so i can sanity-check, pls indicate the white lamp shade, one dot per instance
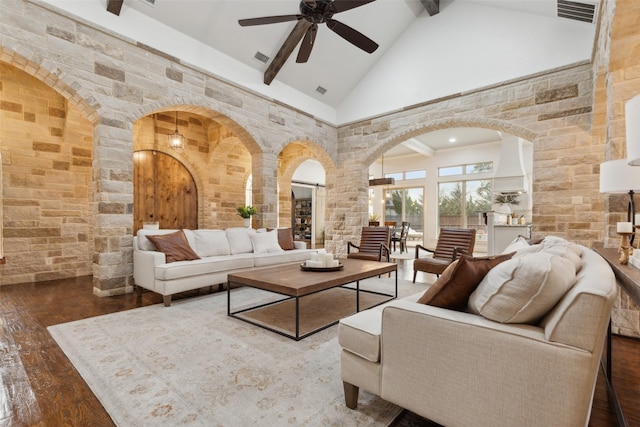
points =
(632, 120)
(616, 176)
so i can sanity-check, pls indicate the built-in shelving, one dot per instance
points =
(303, 212)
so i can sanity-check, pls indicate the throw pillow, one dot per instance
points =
(239, 240)
(174, 245)
(211, 243)
(285, 238)
(523, 289)
(452, 289)
(266, 242)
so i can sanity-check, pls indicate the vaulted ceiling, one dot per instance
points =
(427, 48)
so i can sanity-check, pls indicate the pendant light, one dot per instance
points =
(176, 139)
(383, 180)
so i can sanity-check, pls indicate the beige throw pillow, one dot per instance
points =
(523, 289)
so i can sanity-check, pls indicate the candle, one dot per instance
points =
(313, 264)
(625, 227)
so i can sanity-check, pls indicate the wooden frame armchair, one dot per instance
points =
(374, 244)
(452, 242)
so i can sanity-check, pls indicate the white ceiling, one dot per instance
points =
(206, 33)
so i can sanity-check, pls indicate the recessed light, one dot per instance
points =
(261, 57)
(321, 90)
(452, 140)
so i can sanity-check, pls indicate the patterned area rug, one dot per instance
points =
(190, 364)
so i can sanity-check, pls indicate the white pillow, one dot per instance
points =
(266, 242)
(239, 240)
(211, 243)
(516, 244)
(523, 289)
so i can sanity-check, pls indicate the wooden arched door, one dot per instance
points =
(163, 191)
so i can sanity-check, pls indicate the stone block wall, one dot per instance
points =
(46, 155)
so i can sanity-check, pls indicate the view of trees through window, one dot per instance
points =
(462, 203)
(406, 204)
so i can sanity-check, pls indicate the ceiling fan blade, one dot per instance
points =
(298, 32)
(352, 36)
(307, 44)
(268, 20)
(338, 6)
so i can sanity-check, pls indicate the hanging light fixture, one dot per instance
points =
(176, 139)
(383, 180)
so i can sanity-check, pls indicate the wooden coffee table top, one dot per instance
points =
(291, 280)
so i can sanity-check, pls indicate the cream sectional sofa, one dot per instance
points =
(221, 252)
(461, 368)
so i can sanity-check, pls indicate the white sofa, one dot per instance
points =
(458, 368)
(221, 252)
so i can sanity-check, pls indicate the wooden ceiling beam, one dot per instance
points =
(432, 6)
(285, 50)
(114, 6)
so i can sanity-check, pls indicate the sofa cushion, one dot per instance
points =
(174, 245)
(239, 240)
(179, 270)
(266, 242)
(523, 289)
(211, 243)
(452, 289)
(282, 257)
(360, 333)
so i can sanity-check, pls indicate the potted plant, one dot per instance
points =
(503, 202)
(246, 212)
(374, 220)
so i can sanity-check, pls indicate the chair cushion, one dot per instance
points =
(364, 255)
(360, 333)
(431, 265)
(523, 289)
(174, 245)
(459, 280)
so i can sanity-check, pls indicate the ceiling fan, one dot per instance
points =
(312, 13)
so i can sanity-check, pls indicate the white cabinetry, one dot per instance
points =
(500, 235)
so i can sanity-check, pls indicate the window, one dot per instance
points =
(397, 176)
(473, 197)
(471, 168)
(415, 174)
(406, 204)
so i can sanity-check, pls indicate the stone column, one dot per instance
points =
(113, 208)
(347, 205)
(265, 189)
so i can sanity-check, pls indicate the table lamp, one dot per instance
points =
(617, 177)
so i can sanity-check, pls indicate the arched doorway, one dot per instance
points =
(163, 191)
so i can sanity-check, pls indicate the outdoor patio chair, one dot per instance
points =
(401, 238)
(452, 242)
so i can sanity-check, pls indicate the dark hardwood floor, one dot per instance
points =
(40, 387)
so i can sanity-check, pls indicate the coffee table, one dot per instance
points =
(294, 283)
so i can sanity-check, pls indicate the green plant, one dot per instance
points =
(373, 217)
(507, 199)
(246, 211)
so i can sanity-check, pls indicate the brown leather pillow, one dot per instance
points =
(285, 238)
(174, 245)
(459, 280)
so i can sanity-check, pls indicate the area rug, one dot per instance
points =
(190, 364)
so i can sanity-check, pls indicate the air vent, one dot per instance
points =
(577, 11)
(150, 2)
(261, 57)
(321, 90)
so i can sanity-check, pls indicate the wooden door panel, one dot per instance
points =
(164, 191)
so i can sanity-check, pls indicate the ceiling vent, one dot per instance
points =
(577, 11)
(150, 2)
(261, 57)
(321, 90)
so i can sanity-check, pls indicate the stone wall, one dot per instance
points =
(46, 171)
(622, 83)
